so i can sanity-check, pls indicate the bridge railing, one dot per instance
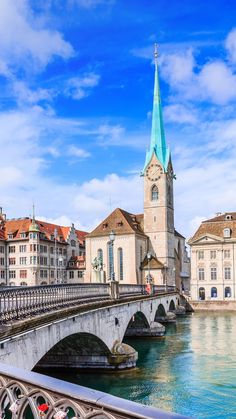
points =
(21, 302)
(26, 394)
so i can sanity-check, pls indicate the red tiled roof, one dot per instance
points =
(215, 226)
(21, 225)
(121, 222)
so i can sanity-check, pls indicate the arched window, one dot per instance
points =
(155, 193)
(110, 260)
(201, 293)
(227, 292)
(141, 254)
(120, 264)
(213, 292)
(169, 195)
(100, 255)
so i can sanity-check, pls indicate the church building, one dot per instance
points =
(140, 248)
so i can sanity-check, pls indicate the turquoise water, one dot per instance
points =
(192, 370)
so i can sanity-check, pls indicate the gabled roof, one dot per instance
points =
(215, 227)
(154, 263)
(121, 222)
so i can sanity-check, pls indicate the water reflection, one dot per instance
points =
(191, 371)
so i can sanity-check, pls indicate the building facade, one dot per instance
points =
(144, 247)
(213, 259)
(33, 252)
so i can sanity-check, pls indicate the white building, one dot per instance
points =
(213, 259)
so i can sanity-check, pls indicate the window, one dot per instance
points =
(141, 254)
(23, 260)
(45, 273)
(120, 264)
(51, 250)
(22, 248)
(213, 274)
(213, 254)
(10, 236)
(2, 274)
(110, 261)
(2, 248)
(52, 274)
(201, 274)
(213, 292)
(2, 261)
(227, 272)
(100, 257)
(23, 235)
(52, 261)
(227, 233)
(201, 293)
(201, 254)
(12, 249)
(169, 195)
(227, 254)
(33, 260)
(12, 261)
(12, 274)
(33, 235)
(154, 193)
(80, 274)
(23, 273)
(71, 275)
(227, 292)
(73, 243)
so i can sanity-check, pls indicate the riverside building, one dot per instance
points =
(34, 252)
(213, 259)
(136, 248)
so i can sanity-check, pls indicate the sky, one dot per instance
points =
(76, 92)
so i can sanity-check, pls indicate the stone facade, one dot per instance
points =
(34, 252)
(213, 259)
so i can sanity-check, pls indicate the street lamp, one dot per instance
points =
(60, 271)
(111, 256)
(149, 257)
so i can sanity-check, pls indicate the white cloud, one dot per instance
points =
(77, 152)
(80, 87)
(217, 82)
(26, 41)
(178, 68)
(230, 44)
(180, 114)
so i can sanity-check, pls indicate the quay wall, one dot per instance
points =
(213, 305)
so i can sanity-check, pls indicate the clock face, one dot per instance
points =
(154, 172)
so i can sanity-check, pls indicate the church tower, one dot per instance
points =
(158, 193)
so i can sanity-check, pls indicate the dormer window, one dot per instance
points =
(227, 233)
(104, 226)
(52, 237)
(228, 217)
(120, 224)
(23, 235)
(10, 235)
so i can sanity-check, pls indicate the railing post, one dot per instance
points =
(114, 290)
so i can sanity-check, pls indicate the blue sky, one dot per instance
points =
(76, 86)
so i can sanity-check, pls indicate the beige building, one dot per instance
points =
(213, 259)
(33, 252)
(135, 248)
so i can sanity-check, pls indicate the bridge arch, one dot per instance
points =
(172, 306)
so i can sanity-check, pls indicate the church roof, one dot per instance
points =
(121, 222)
(153, 264)
(215, 226)
(158, 143)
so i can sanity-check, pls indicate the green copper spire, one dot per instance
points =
(158, 142)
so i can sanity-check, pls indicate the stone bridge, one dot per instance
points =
(92, 338)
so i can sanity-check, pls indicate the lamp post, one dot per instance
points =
(55, 253)
(60, 270)
(111, 256)
(149, 257)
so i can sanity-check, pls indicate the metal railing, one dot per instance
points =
(25, 394)
(22, 302)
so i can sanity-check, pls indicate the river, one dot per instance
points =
(192, 370)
